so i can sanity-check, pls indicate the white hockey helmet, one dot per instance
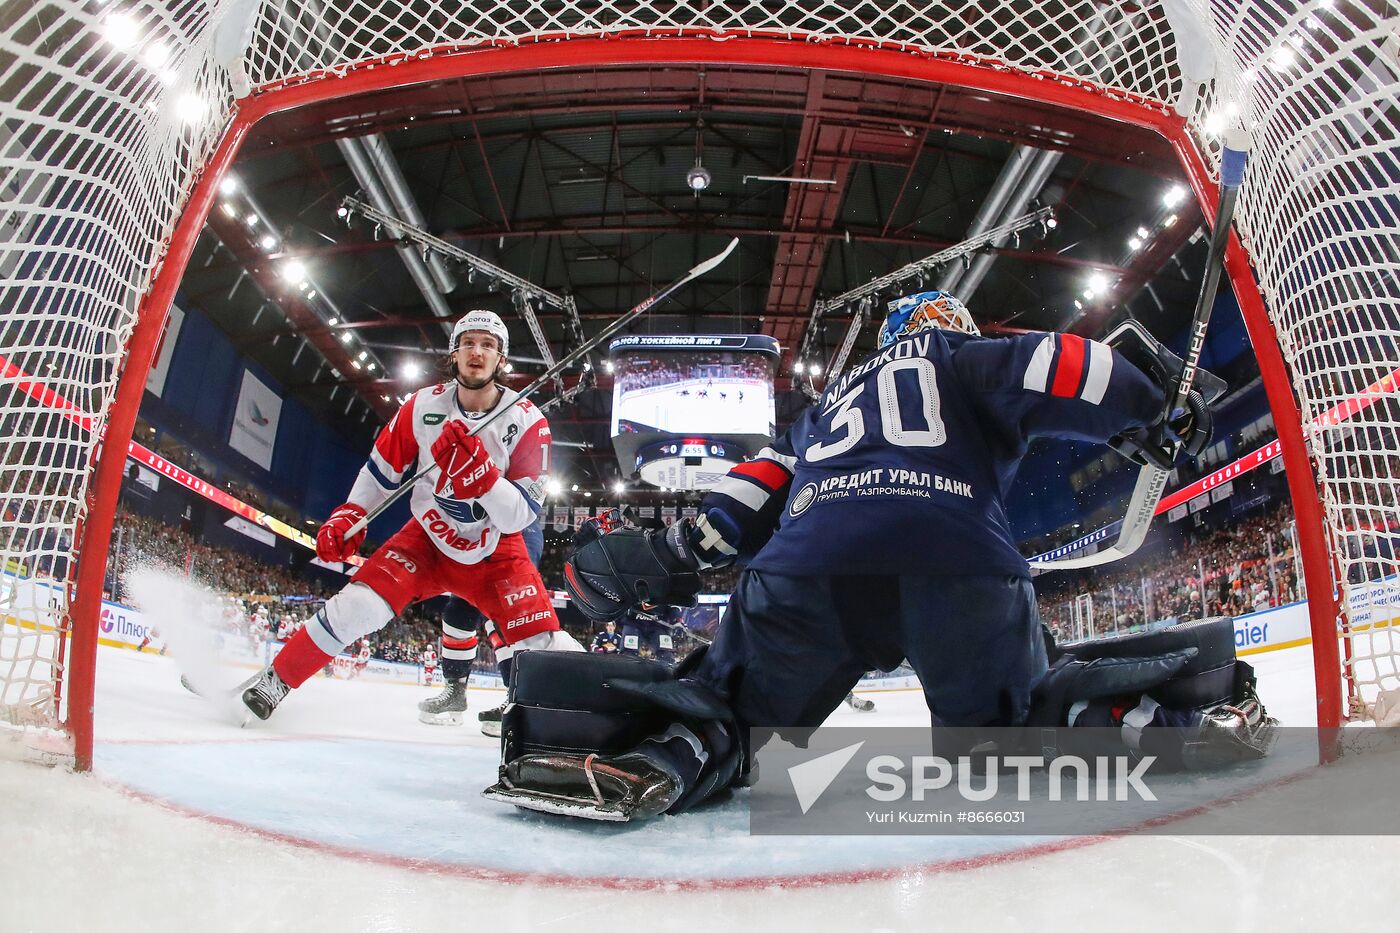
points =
(480, 319)
(925, 311)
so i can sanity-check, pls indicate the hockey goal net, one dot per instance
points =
(117, 118)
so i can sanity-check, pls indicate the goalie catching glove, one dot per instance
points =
(612, 568)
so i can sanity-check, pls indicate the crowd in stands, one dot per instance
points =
(1248, 566)
(1245, 567)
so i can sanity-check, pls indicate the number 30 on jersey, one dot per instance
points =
(848, 421)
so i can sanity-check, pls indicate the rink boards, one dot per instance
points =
(33, 603)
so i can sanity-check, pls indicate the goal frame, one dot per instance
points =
(649, 48)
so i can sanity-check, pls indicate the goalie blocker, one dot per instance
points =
(617, 739)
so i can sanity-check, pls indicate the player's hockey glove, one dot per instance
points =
(607, 573)
(1158, 444)
(331, 543)
(467, 470)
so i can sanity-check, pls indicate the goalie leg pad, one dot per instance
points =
(1178, 694)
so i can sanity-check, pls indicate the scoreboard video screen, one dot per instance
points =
(693, 384)
(686, 407)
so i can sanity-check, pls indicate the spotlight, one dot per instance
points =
(1173, 196)
(228, 185)
(190, 107)
(619, 487)
(156, 55)
(293, 271)
(410, 371)
(698, 178)
(121, 30)
(268, 241)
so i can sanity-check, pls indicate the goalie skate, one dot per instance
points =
(447, 708)
(615, 790)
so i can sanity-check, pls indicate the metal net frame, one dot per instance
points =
(118, 118)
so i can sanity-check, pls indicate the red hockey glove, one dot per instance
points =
(467, 468)
(331, 543)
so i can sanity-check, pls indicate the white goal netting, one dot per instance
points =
(109, 112)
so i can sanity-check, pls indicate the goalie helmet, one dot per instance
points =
(925, 311)
(480, 319)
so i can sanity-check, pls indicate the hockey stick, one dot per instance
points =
(552, 372)
(1151, 481)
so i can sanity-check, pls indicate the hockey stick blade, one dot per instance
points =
(1147, 492)
(698, 270)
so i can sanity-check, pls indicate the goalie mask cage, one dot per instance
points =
(118, 118)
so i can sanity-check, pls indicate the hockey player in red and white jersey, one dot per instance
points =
(464, 536)
(362, 657)
(430, 664)
(284, 627)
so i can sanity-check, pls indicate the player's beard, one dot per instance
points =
(474, 384)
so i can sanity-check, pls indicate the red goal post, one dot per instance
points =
(118, 120)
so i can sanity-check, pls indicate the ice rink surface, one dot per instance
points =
(344, 812)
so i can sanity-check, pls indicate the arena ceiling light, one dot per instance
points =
(619, 487)
(410, 371)
(698, 178)
(293, 271)
(121, 30)
(228, 185)
(190, 107)
(156, 55)
(1174, 195)
(268, 241)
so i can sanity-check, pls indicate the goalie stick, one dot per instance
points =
(549, 374)
(1151, 481)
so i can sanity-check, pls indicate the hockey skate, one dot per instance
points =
(1230, 733)
(618, 789)
(447, 707)
(860, 703)
(261, 694)
(490, 720)
(258, 696)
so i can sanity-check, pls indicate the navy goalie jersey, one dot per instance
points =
(903, 465)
